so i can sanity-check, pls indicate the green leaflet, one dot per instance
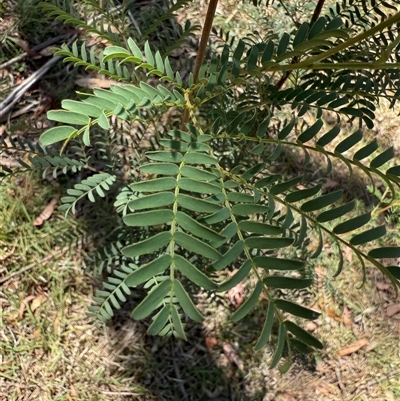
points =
(173, 144)
(82, 108)
(197, 204)
(268, 243)
(193, 244)
(217, 217)
(349, 142)
(296, 309)
(329, 136)
(269, 262)
(199, 158)
(303, 335)
(158, 184)
(297, 196)
(240, 197)
(193, 273)
(151, 201)
(197, 186)
(387, 252)
(249, 304)
(68, 117)
(152, 300)
(287, 282)
(249, 208)
(322, 201)
(284, 186)
(267, 328)
(279, 347)
(160, 168)
(366, 151)
(383, 158)
(148, 270)
(186, 302)
(352, 224)
(148, 245)
(196, 174)
(159, 321)
(197, 229)
(231, 255)
(256, 227)
(165, 156)
(184, 136)
(310, 133)
(336, 212)
(369, 235)
(56, 134)
(237, 278)
(150, 218)
(177, 323)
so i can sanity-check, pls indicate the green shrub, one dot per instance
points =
(209, 202)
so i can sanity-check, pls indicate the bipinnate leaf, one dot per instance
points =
(303, 335)
(296, 309)
(152, 300)
(249, 304)
(56, 134)
(186, 303)
(267, 328)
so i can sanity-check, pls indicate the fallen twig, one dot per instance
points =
(32, 265)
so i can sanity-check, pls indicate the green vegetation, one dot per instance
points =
(190, 184)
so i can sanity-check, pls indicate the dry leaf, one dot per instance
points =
(35, 335)
(211, 342)
(236, 295)
(383, 286)
(347, 318)
(47, 212)
(90, 83)
(392, 309)
(232, 355)
(74, 393)
(23, 305)
(37, 302)
(331, 313)
(352, 348)
(311, 326)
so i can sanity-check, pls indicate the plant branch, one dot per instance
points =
(205, 35)
(295, 60)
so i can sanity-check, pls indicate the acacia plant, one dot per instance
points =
(207, 202)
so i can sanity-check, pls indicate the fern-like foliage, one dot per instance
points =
(212, 222)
